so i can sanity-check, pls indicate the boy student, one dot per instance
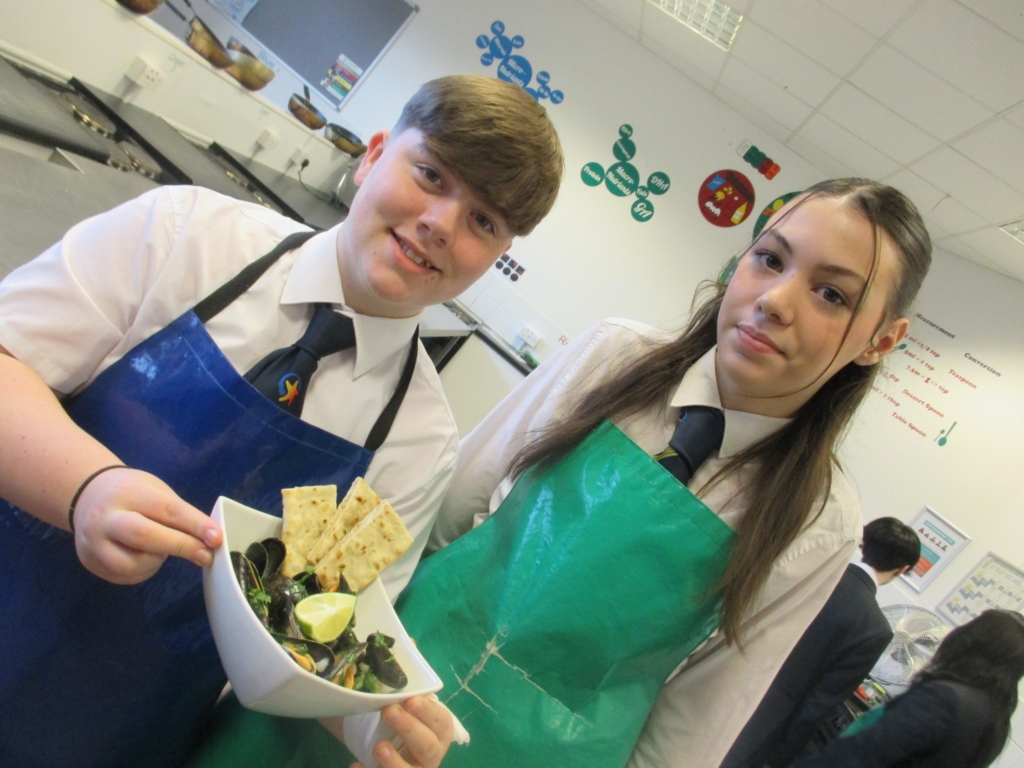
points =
(149, 363)
(834, 655)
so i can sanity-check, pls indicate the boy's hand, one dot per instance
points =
(127, 522)
(425, 727)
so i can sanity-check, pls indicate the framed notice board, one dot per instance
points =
(328, 43)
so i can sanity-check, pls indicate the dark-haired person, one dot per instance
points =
(598, 572)
(161, 354)
(833, 657)
(956, 713)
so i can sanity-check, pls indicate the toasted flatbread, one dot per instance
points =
(378, 540)
(360, 501)
(307, 511)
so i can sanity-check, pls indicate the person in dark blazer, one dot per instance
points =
(956, 714)
(834, 655)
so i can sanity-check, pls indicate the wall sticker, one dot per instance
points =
(622, 179)
(764, 164)
(514, 68)
(726, 198)
(771, 209)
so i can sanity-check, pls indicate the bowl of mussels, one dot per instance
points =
(264, 624)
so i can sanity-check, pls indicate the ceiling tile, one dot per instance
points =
(1008, 15)
(1016, 116)
(969, 184)
(752, 86)
(816, 30)
(965, 50)
(766, 123)
(999, 149)
(702, 79)
(935, 206)
(959, 248)
(625, 14)
(879, 126)
(918, 94)
(821, 160)
(876, 16)
(935, 231)
(782, 64)
(1000, 248)
(865, 160)
(681, 41)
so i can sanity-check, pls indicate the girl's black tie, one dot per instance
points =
(284, 374)
(698, 434)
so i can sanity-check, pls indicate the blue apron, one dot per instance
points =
(98, 674)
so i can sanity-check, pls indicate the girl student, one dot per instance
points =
(956, 713)
(608, 612)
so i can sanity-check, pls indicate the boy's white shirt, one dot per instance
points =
(119, 277)
(705, 704)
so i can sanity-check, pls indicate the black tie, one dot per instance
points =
(698, 434)
(283, 375)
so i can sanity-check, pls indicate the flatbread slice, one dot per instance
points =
(378, 540)
(307, 511)
(360, 501)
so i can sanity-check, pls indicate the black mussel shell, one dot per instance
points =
(346, 639)
(342, 661)
(275, 554)
(382, 661)
(343, 586)
(257, 555)
(318, 654)
(252, 587)
(282, 615)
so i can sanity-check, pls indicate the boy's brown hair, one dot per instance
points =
(496, 138)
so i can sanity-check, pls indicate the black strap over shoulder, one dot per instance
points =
(217, 301)
(380, 430)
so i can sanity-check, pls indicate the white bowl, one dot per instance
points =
(263, 676)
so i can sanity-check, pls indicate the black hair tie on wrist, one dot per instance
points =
(82, 487)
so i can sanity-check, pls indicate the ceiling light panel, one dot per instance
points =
(1015, 230)
(713, 21)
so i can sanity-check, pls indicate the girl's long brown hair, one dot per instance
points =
(787, 472)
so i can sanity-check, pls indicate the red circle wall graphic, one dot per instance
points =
(726, 198)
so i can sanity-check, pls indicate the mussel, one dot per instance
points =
(382, 662)
(272, 595)
(252, 586)
(313, 657)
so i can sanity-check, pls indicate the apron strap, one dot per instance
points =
(380, 430)
(217, 301)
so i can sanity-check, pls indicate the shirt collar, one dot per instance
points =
(315, 278)
(700, 387)
(869, 571)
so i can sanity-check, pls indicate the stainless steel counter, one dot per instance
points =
(41, 200)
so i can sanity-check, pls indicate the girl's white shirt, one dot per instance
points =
(707, 701)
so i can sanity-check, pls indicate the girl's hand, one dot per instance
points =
(425, 727)
(127, 522)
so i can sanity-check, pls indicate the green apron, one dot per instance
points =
(555, 623)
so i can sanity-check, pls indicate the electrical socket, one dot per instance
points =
(530, 336)
(141, 72)
(297, 157)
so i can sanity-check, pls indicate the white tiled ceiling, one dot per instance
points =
(927, 95)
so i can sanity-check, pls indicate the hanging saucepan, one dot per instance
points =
(344, 140)
(140, 6)
(202, 40)
(252, 73)
(304, 110)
